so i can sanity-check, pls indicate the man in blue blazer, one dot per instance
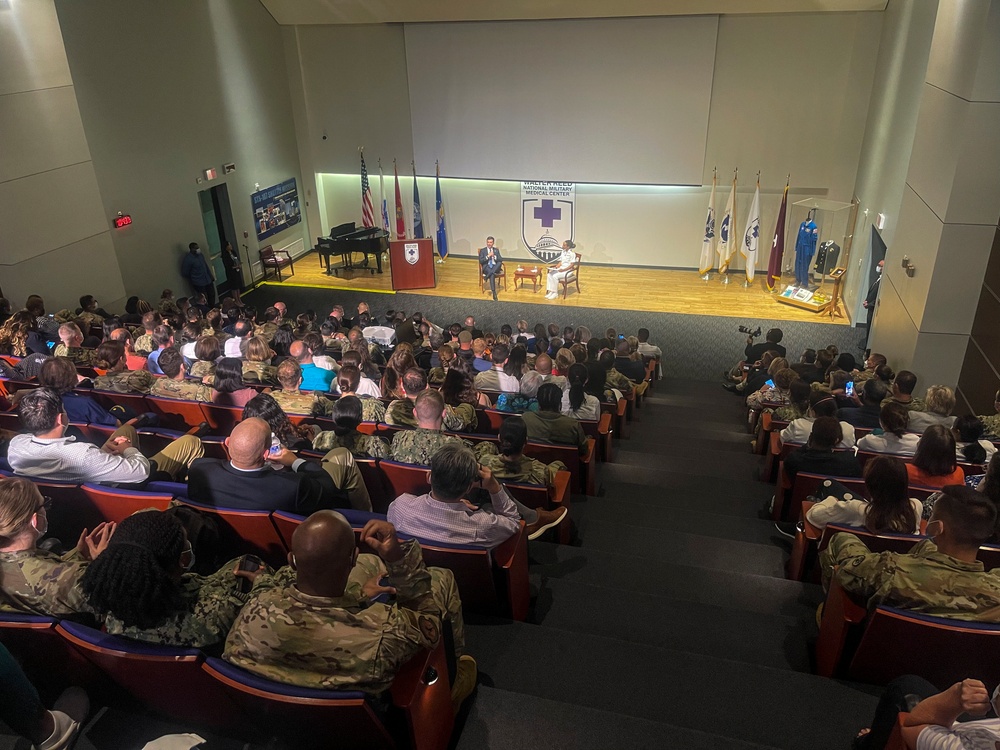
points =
(489, 264)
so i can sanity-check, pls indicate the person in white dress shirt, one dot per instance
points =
(561, 270)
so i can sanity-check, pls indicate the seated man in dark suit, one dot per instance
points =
(490, 263)
(247, 482)
(866, 415)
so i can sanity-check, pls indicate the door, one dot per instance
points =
(217, 216)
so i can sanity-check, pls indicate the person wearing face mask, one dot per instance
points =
(939, 576)
(870, 299)
(141, 586)
(32, 580)
(195, 269)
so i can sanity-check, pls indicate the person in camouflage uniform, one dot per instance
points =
(902, 390)
(348, 379)
(35, 581)
(139, 585)
(991, 422)
(940, 576)
(315, 624)
(613, 378)
(256, 367)
(72, 346)
(510, 464)
(166, 306)
(401, 411)
(111, 358)
(290, 398)
(174, 385)
(416, 446)
(346, 413)
(144, 342)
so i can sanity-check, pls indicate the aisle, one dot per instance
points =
(670, 624)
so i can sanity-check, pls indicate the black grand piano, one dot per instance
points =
(345, 241)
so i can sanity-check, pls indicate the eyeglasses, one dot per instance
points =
(46, 504)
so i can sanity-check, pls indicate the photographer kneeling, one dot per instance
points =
(752, 355)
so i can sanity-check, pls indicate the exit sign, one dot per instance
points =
(122, 220)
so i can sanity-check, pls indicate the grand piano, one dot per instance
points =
(345, 241)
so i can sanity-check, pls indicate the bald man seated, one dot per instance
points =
(314, 624)
(314, 377)
(254, 478)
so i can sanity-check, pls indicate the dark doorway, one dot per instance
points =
(878, 255)
(217, 216)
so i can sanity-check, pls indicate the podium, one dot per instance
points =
(412, 264)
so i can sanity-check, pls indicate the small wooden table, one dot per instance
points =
(535, 274)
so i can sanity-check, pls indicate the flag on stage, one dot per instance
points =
(367, 209)
(418, 224)
(727, 244)
(751, 235)
(381, 192)
(442, 236)
(400, 221)
(707, 261)
(777, 244)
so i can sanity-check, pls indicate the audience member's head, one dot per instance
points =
(808, 357)
(289, 375)
(173, 366)
(249, 443)
(110, 355)
(783, 378)
(969, 429)
(59, 374)
(499, 355)
(826, 434)
(822, 404)
(530, 383)
(150, 320)
(889, 509)
(846, 362)
(875, 360)
(940, 400)
(228, 375)
(414, 381)
(643, 335)
(428, 407)
(163, 336)
(904, 383)
(543, 364)
(323, 554)
(549, 397)
(962, 519)
(242, 329)
(936, 453)
(894, 419)
(798, 394)
(207, 348)
(513, 436)
(23, 515)
(70, 335)
(874, 391)
(774, 335)
(258, 350)
(346, 414)
(348, 379)
(265, 407)
(454, 469)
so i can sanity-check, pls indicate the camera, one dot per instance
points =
(750, 332)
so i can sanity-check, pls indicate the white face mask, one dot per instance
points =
(41, 527)
(878, 269)
(197, 251)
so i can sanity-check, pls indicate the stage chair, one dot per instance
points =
(166, 679)
(573, 277)
(893, 642)
(116, 504)
(420, 717)
(275, 260)
(244, 531)
(501, 277)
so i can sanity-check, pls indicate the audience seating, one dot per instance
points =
(244, 532)
(115, 504)
(892, 642)
(52, 663)
(176, 413)
(420, 716)
(166, 679)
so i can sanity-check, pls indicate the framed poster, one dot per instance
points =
(275, 209)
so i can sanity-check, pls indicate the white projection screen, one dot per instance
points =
(609, 100)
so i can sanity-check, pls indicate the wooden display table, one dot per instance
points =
(521, 274)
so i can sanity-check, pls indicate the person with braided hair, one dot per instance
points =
(141, 587)
(32, 580)
(511, 464)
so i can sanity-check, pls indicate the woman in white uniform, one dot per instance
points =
(560, 271)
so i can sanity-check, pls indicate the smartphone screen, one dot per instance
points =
(769, 383)
(850, 388)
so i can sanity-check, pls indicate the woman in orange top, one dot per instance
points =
(935, 464)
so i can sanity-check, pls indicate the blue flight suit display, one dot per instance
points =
(805, 248)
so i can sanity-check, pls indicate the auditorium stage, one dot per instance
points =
(602, 287)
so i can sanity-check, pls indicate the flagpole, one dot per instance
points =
(732, 223)
(715, 172)
(746, 282)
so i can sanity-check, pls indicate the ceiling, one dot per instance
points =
(296, 12)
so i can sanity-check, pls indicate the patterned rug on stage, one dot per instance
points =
(694, 346)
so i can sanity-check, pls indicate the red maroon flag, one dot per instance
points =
(777, 245)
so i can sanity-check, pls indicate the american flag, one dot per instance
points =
(367, 207)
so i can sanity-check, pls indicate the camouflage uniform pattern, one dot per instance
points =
(789, 413)
(189, 390)
(211, 604)
(266, 331)
(360, 445)
(400, 412)
(258, 372)
(418, 445)
(130, 381)
(41, 583)
(345, 642)
(144, 344)
(168, 307)
(925, 580)
(296, 402)
(525, 469)
(464, 415)
(202, 368)
(79, 355)
(372, 410)
(992, 424)
(436, 376)
(616, 380)
(915, 404)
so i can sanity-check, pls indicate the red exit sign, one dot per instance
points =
(122, 220)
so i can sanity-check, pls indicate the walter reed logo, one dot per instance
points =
(547, 217)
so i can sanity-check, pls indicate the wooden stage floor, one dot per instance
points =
(602, 287)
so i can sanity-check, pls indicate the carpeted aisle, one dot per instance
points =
(670, 623)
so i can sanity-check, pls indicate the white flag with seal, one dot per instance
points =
(751, 234)
(727, 245)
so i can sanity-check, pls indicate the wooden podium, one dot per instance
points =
(412, 264)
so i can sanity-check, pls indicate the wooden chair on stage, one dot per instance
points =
(573, 277)
(275, 260)
(501, 277)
